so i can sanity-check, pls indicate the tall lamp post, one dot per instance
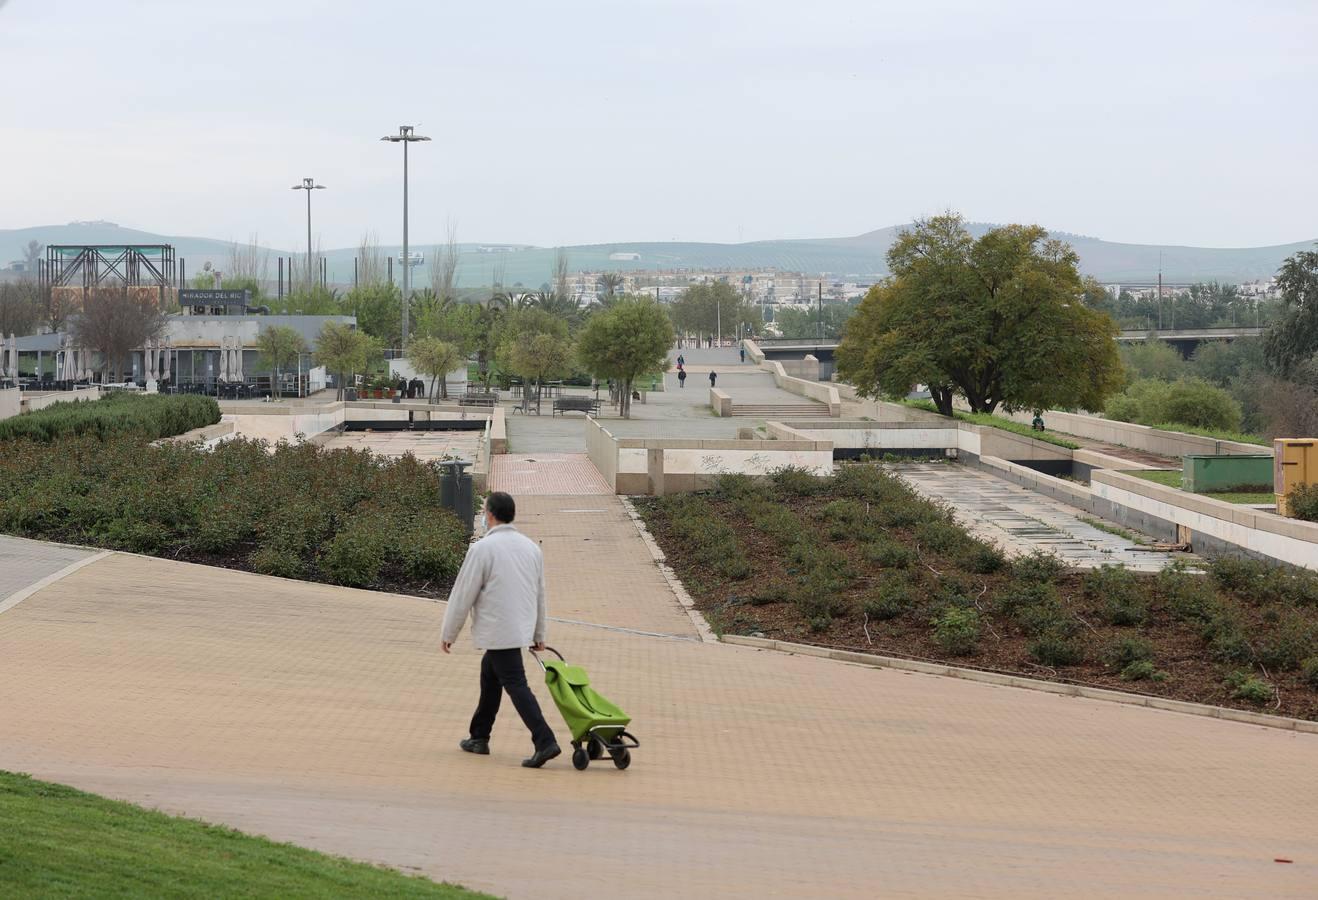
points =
(308, 185)
(405, 136)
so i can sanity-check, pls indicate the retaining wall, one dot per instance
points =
(1137, 437)
(34, 402)
(720, 402)
(11, 402)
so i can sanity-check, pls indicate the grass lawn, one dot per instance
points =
(1172, 479)
(60, 842)
(998, 422)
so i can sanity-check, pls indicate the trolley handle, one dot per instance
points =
(551, 650)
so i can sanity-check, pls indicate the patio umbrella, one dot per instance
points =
(4, 356)
(238, 358)
(224, 360)
(13, 356)
(149, 361)
(164, 368)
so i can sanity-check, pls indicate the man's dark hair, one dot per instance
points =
(501, 506)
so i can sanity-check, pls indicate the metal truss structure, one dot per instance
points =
(95, 265)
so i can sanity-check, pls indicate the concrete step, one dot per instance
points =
(781, 410)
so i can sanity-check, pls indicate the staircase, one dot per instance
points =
(807, 410)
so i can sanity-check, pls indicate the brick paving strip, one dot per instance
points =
(327, 717)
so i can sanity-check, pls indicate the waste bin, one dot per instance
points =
(455, 491)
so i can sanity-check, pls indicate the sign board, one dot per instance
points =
(192, 297)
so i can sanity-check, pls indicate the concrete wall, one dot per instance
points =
(11, 402)
(602, 449)
(273, 423)
(208, 436)
(720, 402)
(34, 402)
(1137, 437)
(824, 393)
(498, 431)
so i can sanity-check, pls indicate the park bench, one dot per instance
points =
(587, 405)
(476, 398)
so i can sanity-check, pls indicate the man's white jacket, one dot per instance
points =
(502, 585)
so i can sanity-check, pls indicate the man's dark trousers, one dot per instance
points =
(502, 670)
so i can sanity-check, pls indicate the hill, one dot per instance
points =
(861, 255)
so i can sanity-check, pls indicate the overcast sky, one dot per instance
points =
(720, 120)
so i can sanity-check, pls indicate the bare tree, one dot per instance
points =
(116, 321)
(371, 268)
(444, 265)
(21, 309)
(560, 272)
(498, 272)
(32, 256)
(248, 262)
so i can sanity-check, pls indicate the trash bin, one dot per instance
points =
(455, 491)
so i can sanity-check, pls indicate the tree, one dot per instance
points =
(21, 309)
(312, 301)
(1187, 401)
(1153, 358)
(1293, 338)
(444, 270)
(713, 307)
(379, 311)
(115, 321)
(250, 264)
(997, 320)
(32, 256)
(435, 358)
(344, 351)
(562, 305)
(371, 267)
(536, 357)
(629, 340)
(608, 284)
(560, 273)
(804, 323)
(279, 346)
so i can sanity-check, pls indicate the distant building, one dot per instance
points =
(624, 256)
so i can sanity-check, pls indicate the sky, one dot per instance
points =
(1157, 121)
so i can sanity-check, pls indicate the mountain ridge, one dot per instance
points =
(858, 256)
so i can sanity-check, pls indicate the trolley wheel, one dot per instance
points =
(622, 758)
(595, 748)
(580, 759)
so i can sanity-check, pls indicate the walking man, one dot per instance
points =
(681, 377)
(502, 585)
(713, 377)
(743, 354)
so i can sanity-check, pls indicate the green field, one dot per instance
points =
(60, 842)
(998, 422)
(1172, 478)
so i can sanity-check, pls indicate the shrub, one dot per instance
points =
(894, 596)
(769, 592)
(956, 630)
(1288, 644)
(819, 606)
(1302, 502)
(276, 559)
(888, 554)
(1248, 687)
(1309, 671)
(1141, 670)
(981, 558)
(1054, 648)
(1189, 597)
(1127, 650)
(356, 555)
(945, 538)
(1118, 594)
(1186, 401)
(1017, 596)
(149, 417)
(1038, 566)
(796, 481)
(1233, 573)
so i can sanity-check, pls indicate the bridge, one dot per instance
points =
(1182, 338)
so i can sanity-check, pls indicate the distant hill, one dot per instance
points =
(862, 255)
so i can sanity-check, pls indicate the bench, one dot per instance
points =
(587, 405)
(478, 399)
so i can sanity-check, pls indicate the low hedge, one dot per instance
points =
(147, 417)
(297, 510)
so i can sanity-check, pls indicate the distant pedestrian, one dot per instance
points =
(743, 354)
(681, 378)
(713, 377)
(681, 360)
(502, 587)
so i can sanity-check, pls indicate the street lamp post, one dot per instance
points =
(405, 136)
(308, 185)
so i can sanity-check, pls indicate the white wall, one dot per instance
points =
(10, 402)
(715, 462)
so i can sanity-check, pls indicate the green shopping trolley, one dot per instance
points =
(597, 726)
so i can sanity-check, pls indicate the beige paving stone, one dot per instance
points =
(327, 717)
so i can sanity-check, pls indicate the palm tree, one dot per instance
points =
(608, 284)
(564, 307)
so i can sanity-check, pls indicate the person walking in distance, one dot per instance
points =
(502, 586)
(743, 354)
(681, 377)
(713, 377)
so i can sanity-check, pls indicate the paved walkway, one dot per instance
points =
(24, 563)
(524, 474)
(1021, 520)
(327, 717)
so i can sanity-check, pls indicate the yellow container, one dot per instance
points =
(1295, 462)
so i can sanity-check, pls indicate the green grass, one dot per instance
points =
(997, 422)
(1238, 436)
(1172, 478)
(1113, 529)
(60, 842)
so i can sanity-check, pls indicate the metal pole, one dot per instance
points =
(820, 307)
(308, 237)
(407, 261)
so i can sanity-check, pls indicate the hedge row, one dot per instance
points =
(147, 417)
(299, 511)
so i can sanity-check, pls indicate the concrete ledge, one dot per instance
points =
(1000, 679)
(720, 402)
(205, 434)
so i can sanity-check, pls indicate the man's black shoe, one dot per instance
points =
(540, 757)
(475, 745)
